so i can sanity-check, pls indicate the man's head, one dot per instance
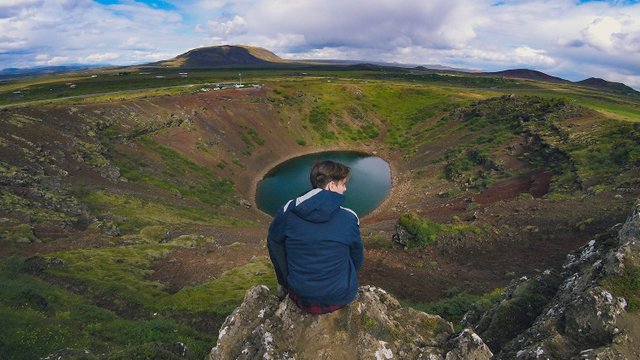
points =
(330, 175)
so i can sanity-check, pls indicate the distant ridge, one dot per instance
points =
(525, 74)
(219, 56)
(616, 87)
(41, 70)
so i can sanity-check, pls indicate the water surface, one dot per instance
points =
(368, 186)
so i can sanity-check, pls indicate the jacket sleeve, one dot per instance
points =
(275, 244)
(356, 248)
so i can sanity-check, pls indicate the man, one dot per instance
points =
(314, 243)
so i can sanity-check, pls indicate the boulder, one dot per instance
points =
(401, 237)
(587, 314)
(374, 326)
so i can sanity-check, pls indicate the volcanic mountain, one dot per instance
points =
(220, 56)
(616, 87)
(525, 74)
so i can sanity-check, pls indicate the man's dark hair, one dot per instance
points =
(326, 171)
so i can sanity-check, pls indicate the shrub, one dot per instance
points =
(423, 232)
(458, 302)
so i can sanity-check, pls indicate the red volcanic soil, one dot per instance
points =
(520, 235)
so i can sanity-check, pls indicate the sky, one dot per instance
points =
(570, 39)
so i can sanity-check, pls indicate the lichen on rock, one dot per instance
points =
(374, 326)
(588, 317)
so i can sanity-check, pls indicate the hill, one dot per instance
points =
(616, 87)
(9, 73)
(220, 56)
(524, 74)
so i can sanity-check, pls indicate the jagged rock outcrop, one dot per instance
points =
(375, 326)
(588, 311)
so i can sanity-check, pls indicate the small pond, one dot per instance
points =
(368, 186)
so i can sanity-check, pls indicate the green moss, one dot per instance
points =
(38, 318)
(626, 285)
(37, 212)
(114, 274)
(22, 233)
(471, 166)
(424, 232)
(90, 153)
(320, 120)
(457, 303)
(154, 234)
(225, 293)
(582, 225)
(255, 136)
(176, 173)
(116, 278)
(133, 214)
(517, 313)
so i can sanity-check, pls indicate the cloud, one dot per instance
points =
(360, 24)
(82, 31)
(601, 33)
(569, 38)
(527, 55)
(223, 28)
(102, 58)
(46, 60)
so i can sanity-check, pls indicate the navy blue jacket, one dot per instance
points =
(315, 247)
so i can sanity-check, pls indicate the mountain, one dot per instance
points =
(37, 71)
(616, 87)
(219, 56)
(525, 74)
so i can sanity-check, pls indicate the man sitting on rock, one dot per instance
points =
(314, 243)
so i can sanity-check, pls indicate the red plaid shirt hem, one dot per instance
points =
(310, 308)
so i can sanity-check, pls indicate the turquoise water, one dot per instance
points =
(368, 186)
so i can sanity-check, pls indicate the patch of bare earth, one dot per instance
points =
(186, 266)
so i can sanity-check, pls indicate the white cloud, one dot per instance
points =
(46, 60)
(527, 55)
(359, 24)
(222, 29)
(561, 37)
(601, 33)
(82, 31)
(100, 58)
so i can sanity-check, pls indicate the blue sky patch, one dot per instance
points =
(156, 4)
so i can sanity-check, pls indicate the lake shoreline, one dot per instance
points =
(364, 150)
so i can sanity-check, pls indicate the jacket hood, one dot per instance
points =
(317, 205)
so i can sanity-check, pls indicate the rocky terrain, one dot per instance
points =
(374, 326)
(586, 310)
